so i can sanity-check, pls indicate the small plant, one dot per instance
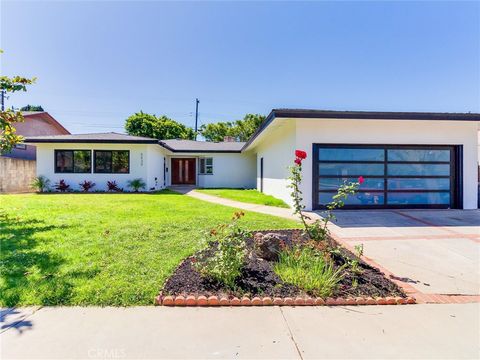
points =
(112, 186)
(41, 183)
(355, 263)
(352, 262)
(62, 186)
(87, 185)
(317, 230)
(307, 268)
(136, 184)
(226, 264)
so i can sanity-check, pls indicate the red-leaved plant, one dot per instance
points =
(62, 186)
(86, 185)
(317, 230)
(112, 186)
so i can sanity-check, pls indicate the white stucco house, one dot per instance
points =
(408, 160)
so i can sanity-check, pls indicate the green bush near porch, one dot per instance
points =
(247, 196)
(102, 249)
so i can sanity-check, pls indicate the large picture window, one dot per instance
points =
(112, 161)
(206, 166)
(73, 161)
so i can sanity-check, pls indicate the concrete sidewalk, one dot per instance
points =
(386, 332)
(263, 209)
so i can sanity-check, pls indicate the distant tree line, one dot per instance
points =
(32, 108)
(164, 128)
(240, 130)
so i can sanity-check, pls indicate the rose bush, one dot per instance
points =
(317, 230)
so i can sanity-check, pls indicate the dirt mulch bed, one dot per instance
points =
(259, 279)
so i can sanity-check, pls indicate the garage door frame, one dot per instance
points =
(456, 170)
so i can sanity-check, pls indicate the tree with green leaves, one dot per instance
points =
(32, 108)
(240, 130)
(217, 131)
(8, 135)
(157, 127)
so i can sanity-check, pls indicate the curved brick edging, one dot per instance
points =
(278, 301)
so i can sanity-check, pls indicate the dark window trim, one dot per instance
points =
(456, 174)
(200, 165)
(108, 172)
(261, 174)
(73, 159)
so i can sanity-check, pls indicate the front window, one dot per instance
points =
(73, 161)
(112, 161)
(206, 166)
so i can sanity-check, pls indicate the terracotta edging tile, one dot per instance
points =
(213, 300)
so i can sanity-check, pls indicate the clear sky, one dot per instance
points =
(98, 62)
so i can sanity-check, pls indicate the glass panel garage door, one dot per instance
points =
(395, 176)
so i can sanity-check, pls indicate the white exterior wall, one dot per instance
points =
(277, 149)
(155, 160)
(146, 162)
(230, 170)
(311, 131)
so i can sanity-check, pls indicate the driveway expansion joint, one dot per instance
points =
(291, 334)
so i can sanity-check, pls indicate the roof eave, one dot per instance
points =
(89, 141)
(207, 151)
(360, 115)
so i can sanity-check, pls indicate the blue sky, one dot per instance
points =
(98, 62)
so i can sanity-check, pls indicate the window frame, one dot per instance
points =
(204, 171)
(94, 168)
(56, 151)
(455, 175)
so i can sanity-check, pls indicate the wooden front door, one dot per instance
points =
(184, 171)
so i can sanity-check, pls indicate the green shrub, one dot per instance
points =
(225, 265)
(136, 184)
(308, 269)
(41, 183)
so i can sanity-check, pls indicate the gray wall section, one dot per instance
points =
(16, 175)
(29, 153)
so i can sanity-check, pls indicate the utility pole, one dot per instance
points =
(196, 117)
(3, 100)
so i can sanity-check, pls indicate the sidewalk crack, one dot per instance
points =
(291, 334)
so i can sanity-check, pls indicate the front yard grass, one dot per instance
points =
(102, 249)
(247, 196)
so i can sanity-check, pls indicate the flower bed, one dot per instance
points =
(289, 267)
(260, 284)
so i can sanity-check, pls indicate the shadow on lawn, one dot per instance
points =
(28, 270)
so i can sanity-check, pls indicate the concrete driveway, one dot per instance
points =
(435, 251)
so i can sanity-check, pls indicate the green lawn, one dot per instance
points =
(101, 249)
(247, 196)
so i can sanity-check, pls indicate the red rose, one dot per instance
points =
(298, 161)
(300, 154)
(361, 180)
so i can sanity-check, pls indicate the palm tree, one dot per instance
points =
(41, 183)
(136, 184)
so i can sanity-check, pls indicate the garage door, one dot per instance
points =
(396, 176)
